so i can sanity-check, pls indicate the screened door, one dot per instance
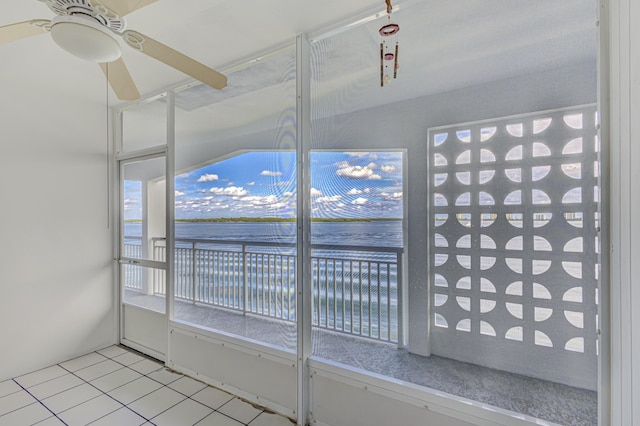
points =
(143, 260)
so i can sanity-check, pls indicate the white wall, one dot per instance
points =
(56, 297)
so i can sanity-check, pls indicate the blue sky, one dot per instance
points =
(260, 184)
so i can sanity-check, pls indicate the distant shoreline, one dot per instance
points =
(272, 219)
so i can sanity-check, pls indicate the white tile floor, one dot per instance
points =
(118, 387)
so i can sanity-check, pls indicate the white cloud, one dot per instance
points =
(358, 154)
(391, 197)
(233, 191)
(372, 166)
(354, 191)
(180, 194)
(360, 201)
(367, 190)
(357, 172)
(251, 183)
(207, 178)
(361, 154)
(270, 173)
(260, 200)
(388, 168)
(315, 192)
(331, 199)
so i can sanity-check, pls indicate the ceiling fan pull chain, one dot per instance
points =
(389, 7)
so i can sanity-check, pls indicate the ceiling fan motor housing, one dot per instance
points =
(93, 8)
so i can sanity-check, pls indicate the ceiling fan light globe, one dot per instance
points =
(85, 38)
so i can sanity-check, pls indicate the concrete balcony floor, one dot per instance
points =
(542, 399)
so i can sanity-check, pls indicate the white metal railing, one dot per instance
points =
(132, 273)
(356, 289)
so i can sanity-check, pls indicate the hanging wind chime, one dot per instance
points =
(389, 49)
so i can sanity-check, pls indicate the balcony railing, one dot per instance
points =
(356, 290)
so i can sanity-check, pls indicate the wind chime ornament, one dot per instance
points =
(389, 49)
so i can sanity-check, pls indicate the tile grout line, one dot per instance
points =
(39, 402)
(104, 393)
(187, 397)
(142, 375)
(86, 366)
(56, 378)
(226, 415)
(163, 411)
(10, 393)
(217, 410)
(118, 409)
(258, 415)
(15, 379)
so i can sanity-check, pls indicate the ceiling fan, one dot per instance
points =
(92, 30)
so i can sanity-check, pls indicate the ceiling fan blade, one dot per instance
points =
(120, 80)
(124, 7)
(175, 59)
(23, 30)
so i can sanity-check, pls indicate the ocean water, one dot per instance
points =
(374, 234)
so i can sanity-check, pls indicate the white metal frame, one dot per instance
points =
(170, 215)
(121, 158)
(304, 268)
(620, 93)
(606, 283)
